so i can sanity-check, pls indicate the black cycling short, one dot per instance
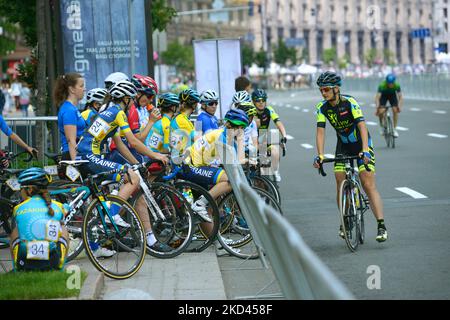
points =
(392, 98)
(56, 260)
(353, 149)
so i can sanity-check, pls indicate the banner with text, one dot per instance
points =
(97, 37)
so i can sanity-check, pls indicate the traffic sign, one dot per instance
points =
(421, 33)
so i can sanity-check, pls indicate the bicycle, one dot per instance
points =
(388, 129)
(129, 243)
(353, 202)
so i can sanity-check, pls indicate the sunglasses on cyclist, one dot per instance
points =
(212, 103)
(260, 100)
(325, 89)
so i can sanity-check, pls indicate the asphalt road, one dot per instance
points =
(415, 261)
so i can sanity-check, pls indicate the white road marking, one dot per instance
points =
(297, 108)
(415, 109)
(371, 123)
(305, 110)
(289, 137)
(329, 156)
(292, 95)
(373, 105)
(307, 146)
(402, 128)
(288, 106)
(412, 193)
(437, 135)
(439, 111)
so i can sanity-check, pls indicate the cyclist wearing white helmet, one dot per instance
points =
(108, 124)
(114, 78)
(240, 97)
(94, 100)
(209, 101)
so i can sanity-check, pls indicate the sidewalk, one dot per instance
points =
(190, 276)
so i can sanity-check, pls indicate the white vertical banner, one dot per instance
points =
(217, 64)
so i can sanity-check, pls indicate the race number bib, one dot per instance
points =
(51, 170)
(155, 141)
(52, 230)
(99, 128)
(72, 173)
(38, 250)
(13, 184)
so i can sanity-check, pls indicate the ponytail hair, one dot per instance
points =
(63, 82)
(35, 190)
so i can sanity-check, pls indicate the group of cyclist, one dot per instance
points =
(120, 126)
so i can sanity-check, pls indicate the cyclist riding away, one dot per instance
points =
(353, 138)
(389, 90)
(264, 114)
(39, 239)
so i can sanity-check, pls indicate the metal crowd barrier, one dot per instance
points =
(27, 129)
(298, 270)
(433, 87)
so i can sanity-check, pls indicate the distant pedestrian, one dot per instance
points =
(24, 99)
(15, 93)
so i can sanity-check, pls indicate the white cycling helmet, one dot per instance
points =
(242, 96)
(123, 89)
(115, 77)
(208, 96)
(96, 95)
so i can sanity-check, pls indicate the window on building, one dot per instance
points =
(446, 27)
(280, 32)
(445, 12)
(293, 33)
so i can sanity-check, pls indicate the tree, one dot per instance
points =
(261, 58)
(162, 15)
(22, 12)
(389, 57)
(370, 57)
(248, 55)
(282, 53)
(329, 55)
(180, 56)
(7, 42)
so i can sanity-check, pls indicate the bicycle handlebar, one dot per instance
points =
(10, 156)
(340, 159)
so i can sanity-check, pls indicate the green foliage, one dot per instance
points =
(329, 55)
(180, 56)
(22, 12)
(370, 57)
(389, 57)
(343, 62)
(7, 42)
(162, 15)
(248, 55)
(282, 53)
(261, 58)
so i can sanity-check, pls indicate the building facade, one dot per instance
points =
(352, 27)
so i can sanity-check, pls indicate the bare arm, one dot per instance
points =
(281, 127)
(70, 132)
(320, 140)
(377, 99)
(14, 137)
(364, 135)
(154, 116)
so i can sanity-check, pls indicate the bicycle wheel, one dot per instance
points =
(266, 184)
(234, 235)
(349, 221)
(74, 221)
(204, 232)
(129, 243)
(177, 228)
(391, 132)
(6, 208)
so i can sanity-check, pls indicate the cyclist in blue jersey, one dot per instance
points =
(39, 241)
(69, 91)
(94, 100)
(209, 101)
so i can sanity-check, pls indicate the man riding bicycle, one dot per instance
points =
(388, 90)
(353, 138)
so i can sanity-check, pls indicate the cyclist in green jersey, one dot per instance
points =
(389, 90)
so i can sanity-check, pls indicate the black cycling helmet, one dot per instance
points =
(329, 79)
(259, 94)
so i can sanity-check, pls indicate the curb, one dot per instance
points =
(93, 286)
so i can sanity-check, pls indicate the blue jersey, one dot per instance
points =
(4, 127)
(34, 222)
(69, 115)
(209, 122)
(158, 139)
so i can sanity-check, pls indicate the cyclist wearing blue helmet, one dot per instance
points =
(389, 90)
(345, 115)
(203, 161)
(39, 241)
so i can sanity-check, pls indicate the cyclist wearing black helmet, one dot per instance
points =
(353, 138)
(389, 90)
(264, 114)
(39, 239)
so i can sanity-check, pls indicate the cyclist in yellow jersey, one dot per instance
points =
(345, 115)
(183, 133)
